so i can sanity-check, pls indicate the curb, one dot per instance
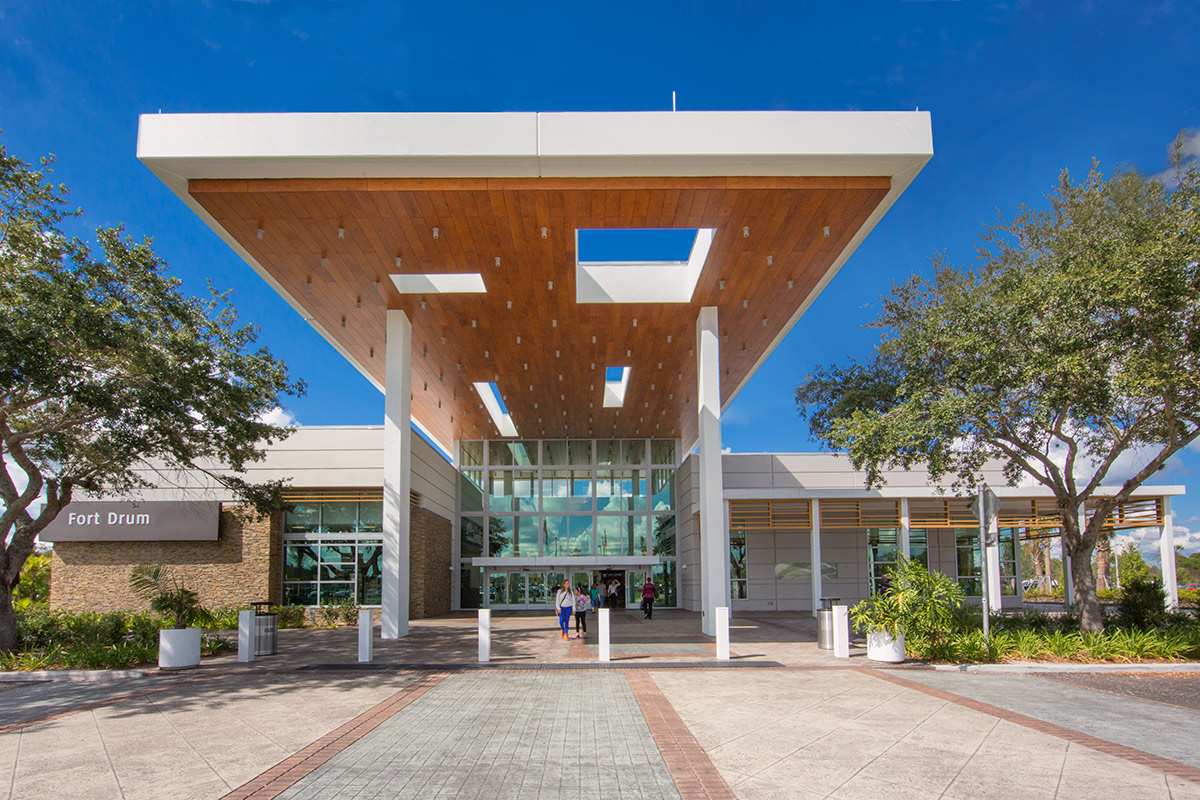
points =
(1030, 668)
(71, 675)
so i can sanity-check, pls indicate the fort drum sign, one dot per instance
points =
(159, 521)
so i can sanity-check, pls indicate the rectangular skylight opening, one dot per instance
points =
(639, 265)
(635, 245)
(440, 283)
(616, 381)
(490, 394)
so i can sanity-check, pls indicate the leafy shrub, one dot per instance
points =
(1142, 605)
(917, 603)
(90, 640)
(1119, 645)
(33, 587)
(349, 612)
(211, 644)
(224, 619)
(290, 616)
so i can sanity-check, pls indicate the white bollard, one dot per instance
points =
(841, 632)
(485, 635)
(722, 633)
(366, 635)
(245, 636)
(605, 650)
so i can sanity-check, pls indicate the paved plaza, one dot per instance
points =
(782, 719)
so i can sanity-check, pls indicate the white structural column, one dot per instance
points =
(814, 551)
(714, 527)
(1166, 551)
(397, 448)
(1068, 575)
(992, 565)
(905, 542)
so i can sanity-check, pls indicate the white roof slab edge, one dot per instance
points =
(182, 147)
(932, 492)
(514, 145)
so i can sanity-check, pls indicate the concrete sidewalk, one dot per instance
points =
(799, 725)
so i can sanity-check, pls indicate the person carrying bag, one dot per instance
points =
(583, 603)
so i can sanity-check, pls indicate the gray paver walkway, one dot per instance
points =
(528, 736)
(1151, 727)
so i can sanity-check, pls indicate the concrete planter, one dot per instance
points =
(179, 648)
(882, 646)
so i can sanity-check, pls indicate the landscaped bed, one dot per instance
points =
(921, 615)
(1034, 636)
(113, 640)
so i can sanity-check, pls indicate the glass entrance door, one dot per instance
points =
(519, 591)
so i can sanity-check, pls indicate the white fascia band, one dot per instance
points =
(642, 281)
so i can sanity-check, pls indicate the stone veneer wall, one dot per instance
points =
(430, 579)
(242, 566)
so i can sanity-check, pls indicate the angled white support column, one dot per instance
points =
(397, 446)
(905, 530)
(814, 550)
(1166, 551)
(714, 528)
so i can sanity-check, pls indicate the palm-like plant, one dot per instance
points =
(168, 596)
(917, 602)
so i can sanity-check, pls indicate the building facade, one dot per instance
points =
(515, 518)
(563, 304)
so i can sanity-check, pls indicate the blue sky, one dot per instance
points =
(1017, 92)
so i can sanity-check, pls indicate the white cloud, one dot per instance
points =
(20, 480)
(279, 416)
(1146, 540)
(1191, 152)
(1126, 465)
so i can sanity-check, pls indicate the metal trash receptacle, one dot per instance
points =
(266, 630)
(825, 623)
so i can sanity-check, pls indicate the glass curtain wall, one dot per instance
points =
(565, 498)
(332, 553)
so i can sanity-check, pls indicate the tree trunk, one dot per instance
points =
(8, 620)
(1090, 617)
(1103, 563)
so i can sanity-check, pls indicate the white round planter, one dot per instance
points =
(882, 646)
(179, 648)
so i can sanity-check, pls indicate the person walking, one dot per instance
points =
(583, 602)
(612, 594)
(594, 592)
(649, 595)
(564, 606)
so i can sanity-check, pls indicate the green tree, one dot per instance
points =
(1131, 564)
(107, 371)
(34, 586)
(1075, 341)
(1187, 568)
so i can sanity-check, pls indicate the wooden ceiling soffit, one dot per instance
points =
(333, 244)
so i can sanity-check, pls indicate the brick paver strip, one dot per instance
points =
(1185, 771)
(694, 774)
(283, 775)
